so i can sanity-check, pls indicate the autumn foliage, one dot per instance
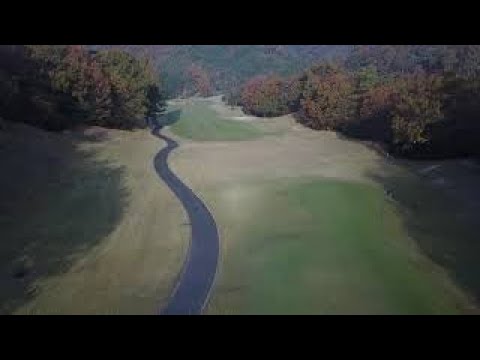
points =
(417, 106)
(57, 87)
(199, 81)
(327, 98)
(265, 96)
(417, 100)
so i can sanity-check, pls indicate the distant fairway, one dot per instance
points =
(198, 122)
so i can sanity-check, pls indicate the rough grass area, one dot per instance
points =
(86, 226)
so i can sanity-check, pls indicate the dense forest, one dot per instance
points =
(418, 100)
(57, 87)
(217, 68)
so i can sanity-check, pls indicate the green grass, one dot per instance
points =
(198, 122)
(320, 247)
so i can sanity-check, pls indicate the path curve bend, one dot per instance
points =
(191, 292)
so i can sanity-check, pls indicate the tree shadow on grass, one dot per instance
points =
(440, 216)
(57, 203)
(169, 118)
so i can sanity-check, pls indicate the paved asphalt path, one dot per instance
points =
(196, 279)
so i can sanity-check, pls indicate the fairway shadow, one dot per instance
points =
(169, 118)
(443, 226)
(57, 203)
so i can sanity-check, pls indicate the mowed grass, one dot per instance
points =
(320, 247)
(306, 228)
(86, 227)
(197, 121)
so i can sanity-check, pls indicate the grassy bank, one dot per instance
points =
(87, 227)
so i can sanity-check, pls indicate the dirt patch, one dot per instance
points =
(243, 118)
(92, 133)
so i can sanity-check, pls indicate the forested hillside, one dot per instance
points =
(208, 69)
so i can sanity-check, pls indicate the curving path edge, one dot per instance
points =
(191, 292)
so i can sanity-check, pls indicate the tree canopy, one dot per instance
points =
(57, 87)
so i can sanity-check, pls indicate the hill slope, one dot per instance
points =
(229, 64)
(86, 226)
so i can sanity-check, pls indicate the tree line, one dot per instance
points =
(57, 87)
(420, 101)
(224, 66)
